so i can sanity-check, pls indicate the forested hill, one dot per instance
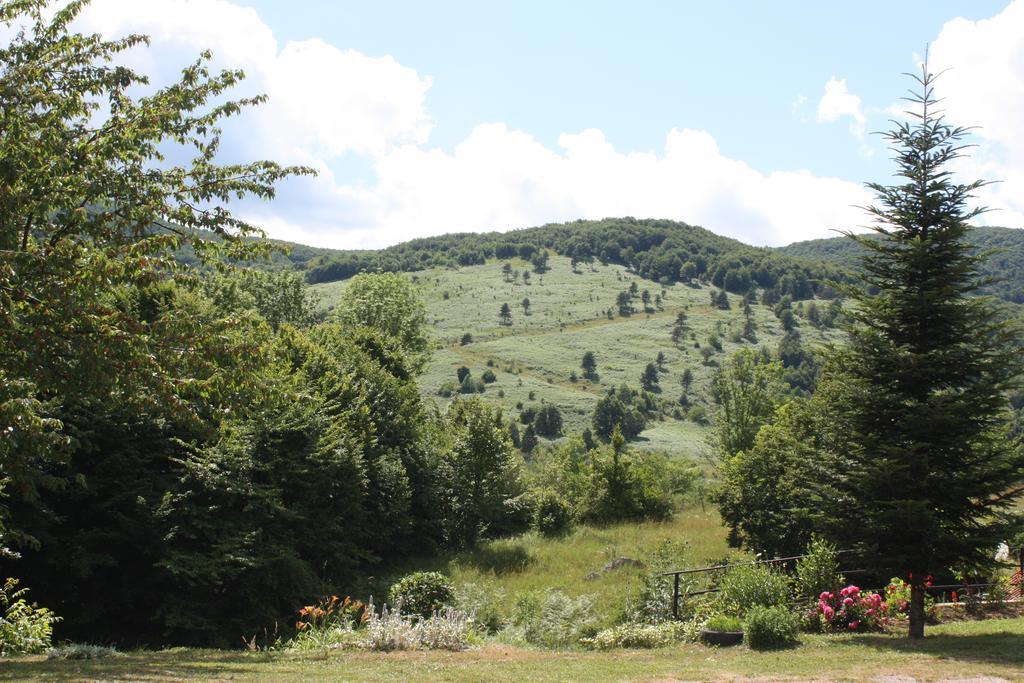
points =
(1006, 264)
(659, 250)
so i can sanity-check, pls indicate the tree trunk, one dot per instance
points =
(916, 611)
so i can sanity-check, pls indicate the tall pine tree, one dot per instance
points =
(929, 476)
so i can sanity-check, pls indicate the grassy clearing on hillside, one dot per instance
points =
(953, 651)
(538, 352)
(533, 563)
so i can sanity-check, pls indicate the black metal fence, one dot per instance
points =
(1017, 581)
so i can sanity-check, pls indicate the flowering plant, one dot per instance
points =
(852, 610)
(332, 612)
(897, 597)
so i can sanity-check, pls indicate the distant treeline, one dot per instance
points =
(662, 250)
(1004, 262)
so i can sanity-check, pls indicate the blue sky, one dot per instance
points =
(637, 69)
(753, 119)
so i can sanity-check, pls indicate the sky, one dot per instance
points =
(757, 120)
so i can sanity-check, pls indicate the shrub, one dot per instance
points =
(488, 376)
(466, 339)
(24, 629)
(79, 651)
(897, 599)
(724, 622)
(447, 389)
(462, 373)
(551, 513)
(759, 585)
(852, 610)
(389, 631)
(637, 636)
(771, 627)
(329, 623)
(818, 571)
(448, 629)
(552, 619)
(485, 603)
(422, 593)
(652, 602)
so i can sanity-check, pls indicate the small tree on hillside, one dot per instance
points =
(548, 421)
(925, 375)
(649, 377)
(526, 305)
(679, 328)
(589, 364)
(505, 313)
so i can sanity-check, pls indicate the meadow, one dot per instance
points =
(534, 357)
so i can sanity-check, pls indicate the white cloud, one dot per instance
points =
(498, 179)
(326, 103)
(982, 84)
(838, 102)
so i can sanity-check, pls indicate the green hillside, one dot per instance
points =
(660, 250)
(534, 358)
(1005, 263)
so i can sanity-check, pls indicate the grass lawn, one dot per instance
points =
(993, 649)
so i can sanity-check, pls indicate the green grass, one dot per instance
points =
(538, 352)
(532, 562)
(968, 649)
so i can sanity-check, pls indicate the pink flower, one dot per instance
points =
(870, 612)
(825, 596)
(854, 625)
(847, 601)
(828, 612)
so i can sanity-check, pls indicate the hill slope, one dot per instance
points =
(535, 357)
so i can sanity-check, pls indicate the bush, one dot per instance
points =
(552, 619)
(771, 627)
(422, 593)
(329, 623)
(652, 602)
(759, 585)
(24, 629)
(637, 636)
(818, 571)
(852, 610)
(466, 339)
(552, 515)
(488, 376)
(448, 629)
(486, 604)
(447, 389)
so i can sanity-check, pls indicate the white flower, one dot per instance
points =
(1002, 552)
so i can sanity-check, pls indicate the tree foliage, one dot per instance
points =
(389, 303)
(747, 390)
